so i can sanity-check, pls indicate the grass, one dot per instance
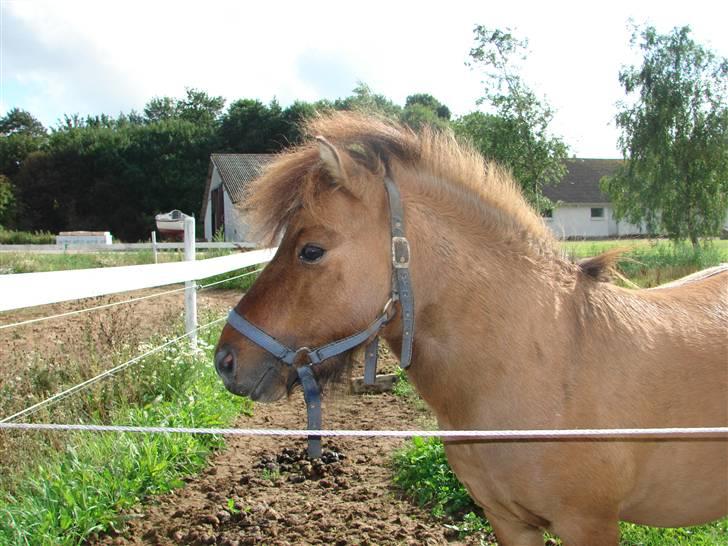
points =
(651, 263)
(20, 262)
(12, 262)
(76, 485)
(241, 284)
(11, 237)
(422, 472)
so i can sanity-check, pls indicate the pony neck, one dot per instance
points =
(475, 293)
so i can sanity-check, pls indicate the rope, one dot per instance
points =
(61, 395)
(702, 433)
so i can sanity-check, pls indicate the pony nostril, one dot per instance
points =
(225, 362)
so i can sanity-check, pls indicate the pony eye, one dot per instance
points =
(311, 253)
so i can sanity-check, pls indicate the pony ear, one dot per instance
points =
(331, 159)
(339, 167)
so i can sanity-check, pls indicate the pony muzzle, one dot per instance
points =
(226, 364)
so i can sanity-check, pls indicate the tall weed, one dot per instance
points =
(66, 494)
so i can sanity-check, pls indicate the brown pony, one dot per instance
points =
(509, 335)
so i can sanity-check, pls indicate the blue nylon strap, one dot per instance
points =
(315, 356)
(260, 338)
(401, 282)
(342, 345)
(370, 361)
(312, 396)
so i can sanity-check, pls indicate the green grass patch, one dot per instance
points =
(21, 262)
(11, 237)
(25, 262)
(71, 492)
(651, 263)
(422, 472)
(240, 279)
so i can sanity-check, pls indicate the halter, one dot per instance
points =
(305, 358)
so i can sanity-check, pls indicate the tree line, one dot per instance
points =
(116, 173)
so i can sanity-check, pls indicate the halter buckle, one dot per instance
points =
(400, 252)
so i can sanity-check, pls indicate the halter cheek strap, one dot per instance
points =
(305, 358)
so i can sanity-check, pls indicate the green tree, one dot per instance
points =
(429, 102)
(249, 126)
(517, 133)
(160, 108)
(196, 107)
(20, 134)
(297, 113)
(673, 138)
(424, 109)
(200, 108)
(18, 121)
(7, 199)
(363, 99)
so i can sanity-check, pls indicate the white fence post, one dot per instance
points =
(154, 245)
(190, 286)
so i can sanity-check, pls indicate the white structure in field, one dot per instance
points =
(582, 210)
(67, 239)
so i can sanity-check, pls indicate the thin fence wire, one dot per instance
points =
(208, 285)
(63, 394)
(93, 308)
(8, 423)
(688, 433)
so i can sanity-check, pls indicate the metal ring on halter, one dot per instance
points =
(387, 308)
(302, 351)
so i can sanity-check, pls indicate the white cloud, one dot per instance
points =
(93, 57)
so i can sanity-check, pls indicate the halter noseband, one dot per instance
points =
(306, 358)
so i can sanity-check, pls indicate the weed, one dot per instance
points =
(403, 388)
(270, 475)
(11, 237)
(422, 472)
(231, 507)
(69, 491)
(651, 263)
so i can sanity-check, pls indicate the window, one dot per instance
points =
(597, 213)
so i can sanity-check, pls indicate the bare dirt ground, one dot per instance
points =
(137, 319)
(265, 491)
(257, 490)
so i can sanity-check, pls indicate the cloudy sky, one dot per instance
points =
(72, 56)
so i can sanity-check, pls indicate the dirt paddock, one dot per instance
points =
(256, 490)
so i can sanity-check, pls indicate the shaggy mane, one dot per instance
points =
(486, 195)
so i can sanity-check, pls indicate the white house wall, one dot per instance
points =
(576, 221)
(215, 182)
(236, 228)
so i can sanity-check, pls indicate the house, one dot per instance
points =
(226, 186)
(581, 211)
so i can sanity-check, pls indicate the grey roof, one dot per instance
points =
(581, 182)
(238, 170)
